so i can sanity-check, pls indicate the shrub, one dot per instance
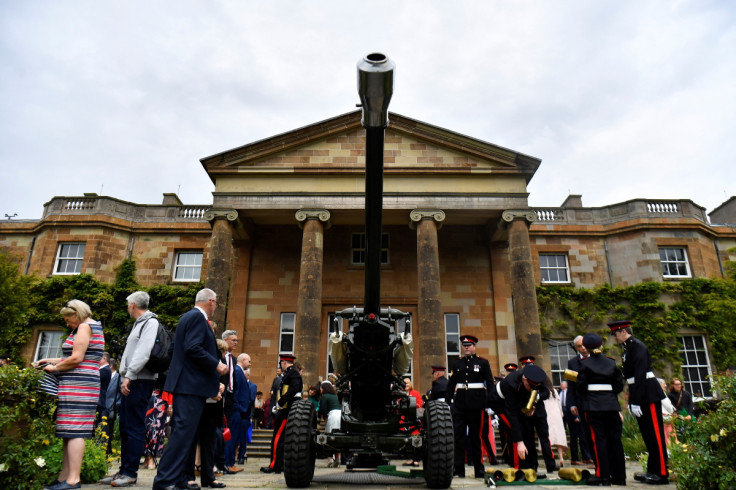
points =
(31, 454)
(631, 439)
(704, 457)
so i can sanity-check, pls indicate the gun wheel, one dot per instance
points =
(299, 449)
(439, 456)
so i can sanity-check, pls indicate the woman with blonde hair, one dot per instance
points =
(79, 389)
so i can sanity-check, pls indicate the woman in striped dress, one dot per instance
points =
(79, 389)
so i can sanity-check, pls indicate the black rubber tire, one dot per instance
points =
(299, 447)
(439, 454)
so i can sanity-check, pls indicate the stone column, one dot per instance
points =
(307, 339)
(430, 340)
(219, 264)
(523, 288)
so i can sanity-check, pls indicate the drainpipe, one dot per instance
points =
(33, 244)
(608, 262)
(718, 256)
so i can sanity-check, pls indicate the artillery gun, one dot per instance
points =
(379, 419)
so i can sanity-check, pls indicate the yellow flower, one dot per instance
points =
(723, 432)
(714, 437)
(45, 442)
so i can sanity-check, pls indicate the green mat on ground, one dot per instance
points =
(390, 469)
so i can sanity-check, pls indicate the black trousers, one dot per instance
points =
(651, 427)
(608, 452)
(579, 447)
(277, 443)
(467, 421)
(529, 426)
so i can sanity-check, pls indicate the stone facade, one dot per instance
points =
(266, 261)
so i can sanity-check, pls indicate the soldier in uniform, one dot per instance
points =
(471, 375)
(645, 401)
(438, 391)
(510, 367)
(598, 384)
(512, 394)
(526, 360)
(290, 391)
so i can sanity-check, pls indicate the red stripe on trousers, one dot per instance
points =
(276, 443)
(595, 448)
(655, 422)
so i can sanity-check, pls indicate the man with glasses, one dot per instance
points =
(194, 376)
(466, 394)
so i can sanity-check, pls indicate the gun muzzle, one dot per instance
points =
(571, 375)
(375, 87)
(573, 474)
(532, 400)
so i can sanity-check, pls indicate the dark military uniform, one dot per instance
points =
(515, 397)
(290, 391)
(645, 391)
(470, 375)
(439, 389)
(599, 382)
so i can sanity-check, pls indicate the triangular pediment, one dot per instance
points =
(338, 145)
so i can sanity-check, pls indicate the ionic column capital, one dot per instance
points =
(511, 214)
(417, 215)
(303, 215)
(228, 214)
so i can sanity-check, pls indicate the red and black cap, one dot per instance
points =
(534, 375)
(468, 339)
(438, 368)
(510, 367)
(618, 325)
(592, 341)
(527, 360)
(287, 357)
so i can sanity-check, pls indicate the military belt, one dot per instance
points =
(498, 390)
(632, 380)
(470, 386)
(600, 387)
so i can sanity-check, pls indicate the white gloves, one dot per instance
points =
(275, 409)
(635, 410)
(494, 422)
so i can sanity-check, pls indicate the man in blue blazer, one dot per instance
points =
(238, 420)
(194, 376)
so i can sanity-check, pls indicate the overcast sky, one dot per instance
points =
(620, 99)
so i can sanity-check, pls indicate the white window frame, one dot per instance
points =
(696, 374)
(287, 330)
(63, 258)
(560, 351)
(452, 335)
(187, 267)
(556, 268)
(668, 263)
(50, 348)
(357, 253)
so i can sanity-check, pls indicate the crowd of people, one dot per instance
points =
(206, 406)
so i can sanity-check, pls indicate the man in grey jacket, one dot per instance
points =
(136, 387)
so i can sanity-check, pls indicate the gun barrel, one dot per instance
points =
(375, 88)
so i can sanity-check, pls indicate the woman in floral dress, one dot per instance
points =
(79, 389)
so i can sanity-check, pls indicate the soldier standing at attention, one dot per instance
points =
(598, 384)
(471, 376)
(290, 391)
(645, 401)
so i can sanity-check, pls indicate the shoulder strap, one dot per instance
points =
(140, 332)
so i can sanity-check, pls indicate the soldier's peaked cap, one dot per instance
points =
(438, 368)
(592, 340)
(510, 366)
(287, 357)
(468, 338)
(618, 325)
(534, 374)
(527, 359)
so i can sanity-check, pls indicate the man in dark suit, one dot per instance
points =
(439, 384)
(578, 431)
(239, 420)
(193, 377)
(645, 401)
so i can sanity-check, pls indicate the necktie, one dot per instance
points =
(229, 373)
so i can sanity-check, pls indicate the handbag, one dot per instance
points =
(226, 435)
(49, 384)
